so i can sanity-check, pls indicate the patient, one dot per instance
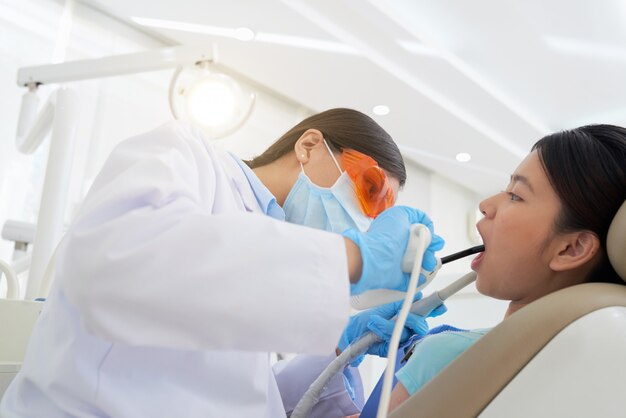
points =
(545, 232)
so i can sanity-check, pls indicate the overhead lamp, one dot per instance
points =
(199, 94)
(213, 101)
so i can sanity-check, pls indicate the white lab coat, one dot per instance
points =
(172, 288)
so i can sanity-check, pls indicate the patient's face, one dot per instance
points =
(517, 232)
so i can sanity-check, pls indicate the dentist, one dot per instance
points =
(179, 274)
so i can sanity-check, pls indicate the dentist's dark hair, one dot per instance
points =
(587, 168)
(342, 128)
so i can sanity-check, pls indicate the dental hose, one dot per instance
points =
(311, 396)
(421, 307)
(426, 305)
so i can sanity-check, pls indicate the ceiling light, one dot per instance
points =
(463, 157)
(381, 110)
(244, 34)
(209, 99)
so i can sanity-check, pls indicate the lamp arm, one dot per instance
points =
(33, 127)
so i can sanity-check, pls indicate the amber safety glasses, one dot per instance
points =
(371, 184)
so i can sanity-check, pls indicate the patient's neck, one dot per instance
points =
(514, 307)
(557, 281)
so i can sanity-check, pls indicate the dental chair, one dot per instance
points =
(563, 355)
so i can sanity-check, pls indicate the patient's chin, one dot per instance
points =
(482, 285)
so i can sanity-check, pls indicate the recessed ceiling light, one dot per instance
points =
(244, 34)
(463, 157)
(381, 110)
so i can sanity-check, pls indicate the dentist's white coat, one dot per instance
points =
(171, 289)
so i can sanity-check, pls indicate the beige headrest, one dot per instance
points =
(616, 242)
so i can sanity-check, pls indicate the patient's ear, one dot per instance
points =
(574, 250)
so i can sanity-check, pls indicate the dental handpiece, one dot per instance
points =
(461, 254)
(378, 297)
(425, 306)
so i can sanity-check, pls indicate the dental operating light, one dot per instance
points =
(210, 99)
(199, 93)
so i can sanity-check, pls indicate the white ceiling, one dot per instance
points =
(488, 77)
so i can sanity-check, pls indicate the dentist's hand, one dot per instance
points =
(382, 248)
(377, 320)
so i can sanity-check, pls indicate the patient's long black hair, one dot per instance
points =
(587, 168)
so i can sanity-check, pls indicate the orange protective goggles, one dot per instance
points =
(371, 184)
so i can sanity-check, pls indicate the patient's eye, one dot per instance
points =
(514, 197)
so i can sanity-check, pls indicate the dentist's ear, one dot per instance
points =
(309, 140)
(575, 250)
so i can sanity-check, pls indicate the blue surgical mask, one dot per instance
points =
(332, 209)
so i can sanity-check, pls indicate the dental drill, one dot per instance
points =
(418, 242)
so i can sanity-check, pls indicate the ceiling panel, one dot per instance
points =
(488, 77)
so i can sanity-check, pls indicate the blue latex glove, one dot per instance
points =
(383, 246)
(377, 320)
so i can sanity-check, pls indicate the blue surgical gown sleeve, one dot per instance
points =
(342, 397)
(432, 355)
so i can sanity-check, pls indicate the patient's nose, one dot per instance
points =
(488, 207)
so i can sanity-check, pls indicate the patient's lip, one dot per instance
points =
(476, 261)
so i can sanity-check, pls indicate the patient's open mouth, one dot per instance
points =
(476, 261)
